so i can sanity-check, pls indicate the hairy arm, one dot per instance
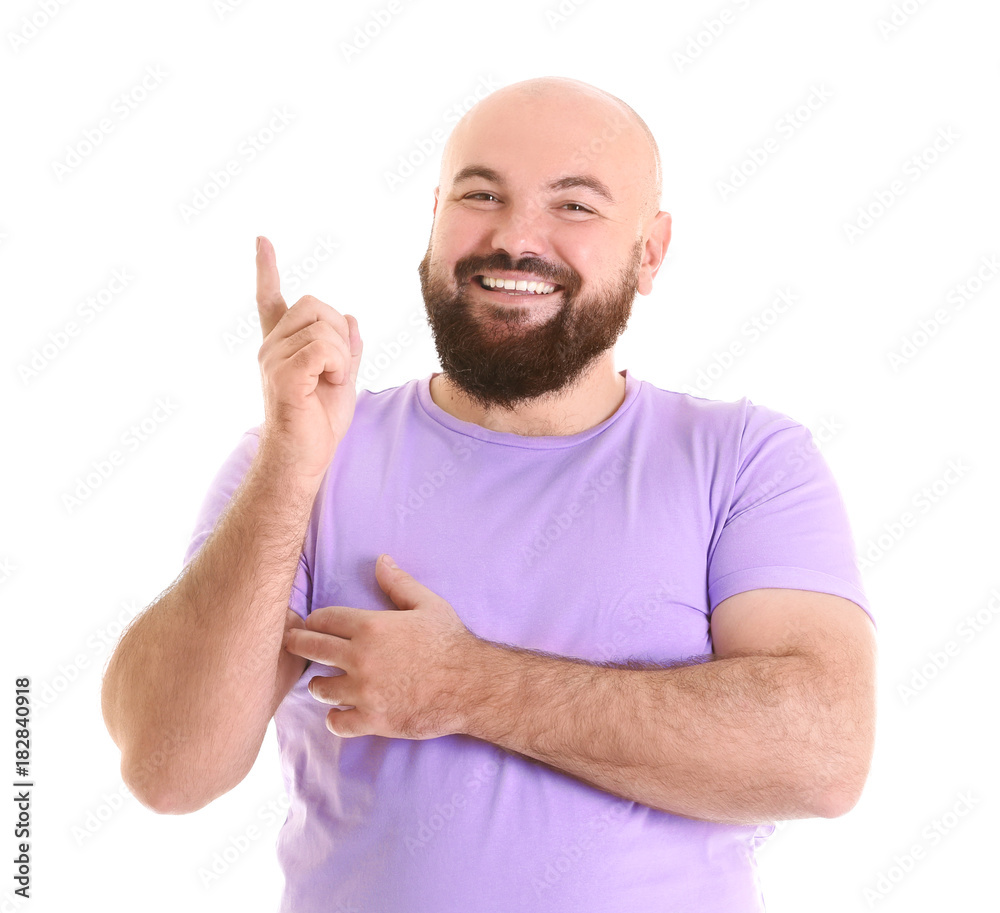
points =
(778, 723)
(190, 689)
(192, 685)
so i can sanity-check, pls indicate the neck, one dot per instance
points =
(595, 397)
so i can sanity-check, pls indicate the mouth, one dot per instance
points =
(515, 287)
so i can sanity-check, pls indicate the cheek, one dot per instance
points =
(586, 255)
(457, 234)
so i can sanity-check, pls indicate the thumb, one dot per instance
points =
(356, 346)
(400, 587)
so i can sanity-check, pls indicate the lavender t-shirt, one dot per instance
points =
(610, 544)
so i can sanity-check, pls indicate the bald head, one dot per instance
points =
(603, 125)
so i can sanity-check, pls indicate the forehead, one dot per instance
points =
(539, 143)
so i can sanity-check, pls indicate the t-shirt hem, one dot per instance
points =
(786, 578)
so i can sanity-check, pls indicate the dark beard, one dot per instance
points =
(507, 366)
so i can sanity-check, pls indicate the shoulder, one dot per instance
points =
(739, 424)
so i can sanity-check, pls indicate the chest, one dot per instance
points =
(600, 555)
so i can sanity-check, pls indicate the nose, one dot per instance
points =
(520, 231)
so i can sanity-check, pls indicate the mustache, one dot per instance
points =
(471, 266)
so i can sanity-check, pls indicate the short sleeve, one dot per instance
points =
(787, 526)
(220, 493)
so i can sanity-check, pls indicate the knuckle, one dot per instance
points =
(302, 357)
(309, 303)
(372, 700)
(362, 668)
(315, 331)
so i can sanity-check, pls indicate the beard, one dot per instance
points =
(503, 359)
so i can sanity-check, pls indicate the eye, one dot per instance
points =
(579, 207)
(482, 193)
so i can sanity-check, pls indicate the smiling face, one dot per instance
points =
(545, 227)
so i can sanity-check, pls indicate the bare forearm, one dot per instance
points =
(188, 693)
(738, 740)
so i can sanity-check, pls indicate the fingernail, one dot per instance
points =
(389, 562)
(258, 244)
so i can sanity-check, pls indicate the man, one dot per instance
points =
(626, 632)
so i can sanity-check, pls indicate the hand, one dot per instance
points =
(309, 367)
(406, 673)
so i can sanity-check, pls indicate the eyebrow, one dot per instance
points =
(573, 180)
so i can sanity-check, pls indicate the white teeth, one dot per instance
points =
(518, 285)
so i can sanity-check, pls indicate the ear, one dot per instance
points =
(654, 251)
(434, 212)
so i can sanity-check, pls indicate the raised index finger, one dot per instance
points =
(270, 305)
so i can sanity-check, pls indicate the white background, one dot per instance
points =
(74, 571)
